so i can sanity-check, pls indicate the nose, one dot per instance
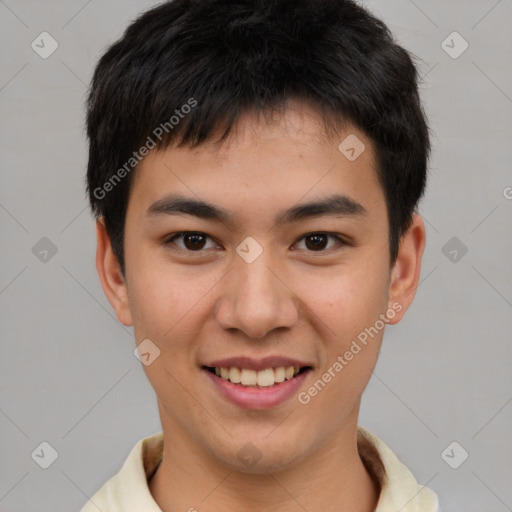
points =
(256, 299)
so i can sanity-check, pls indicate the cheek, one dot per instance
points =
(348, 300)
(347, 306)
(170, 303)
(351, 331)
(169, 308)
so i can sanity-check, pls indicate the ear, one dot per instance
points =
(111, 277)
(405, 275)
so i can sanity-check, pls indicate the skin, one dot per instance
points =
(292, 300)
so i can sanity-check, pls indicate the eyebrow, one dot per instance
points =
(334, 205)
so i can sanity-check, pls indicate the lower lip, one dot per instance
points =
(258, 398)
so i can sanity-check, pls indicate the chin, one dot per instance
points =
(264, 455)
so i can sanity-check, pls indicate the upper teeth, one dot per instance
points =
(267, 377)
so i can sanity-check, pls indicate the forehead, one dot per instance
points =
(266, 161)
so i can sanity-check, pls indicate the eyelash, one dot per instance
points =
(170, 240)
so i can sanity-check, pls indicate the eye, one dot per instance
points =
(320, 241)
(193, 241)
(196, 241)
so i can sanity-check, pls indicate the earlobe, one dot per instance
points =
(405, 275)
(111, 277)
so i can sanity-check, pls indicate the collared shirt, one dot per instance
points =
(128, 490)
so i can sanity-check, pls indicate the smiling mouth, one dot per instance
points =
(249, 378)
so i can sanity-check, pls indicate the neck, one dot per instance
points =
(333, 478)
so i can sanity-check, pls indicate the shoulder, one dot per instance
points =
(399, 490)
(128, 490)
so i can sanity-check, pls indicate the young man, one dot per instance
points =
(254, 168)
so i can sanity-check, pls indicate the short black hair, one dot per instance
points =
(186, 70)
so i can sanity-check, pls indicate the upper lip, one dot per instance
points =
(257, 364)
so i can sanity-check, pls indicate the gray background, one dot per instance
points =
(67, 372)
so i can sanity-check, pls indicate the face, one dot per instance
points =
(257, 280)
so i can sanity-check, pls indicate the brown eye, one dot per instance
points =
(194, 241)
(190, 241)
(317, 241)
(320, 242)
